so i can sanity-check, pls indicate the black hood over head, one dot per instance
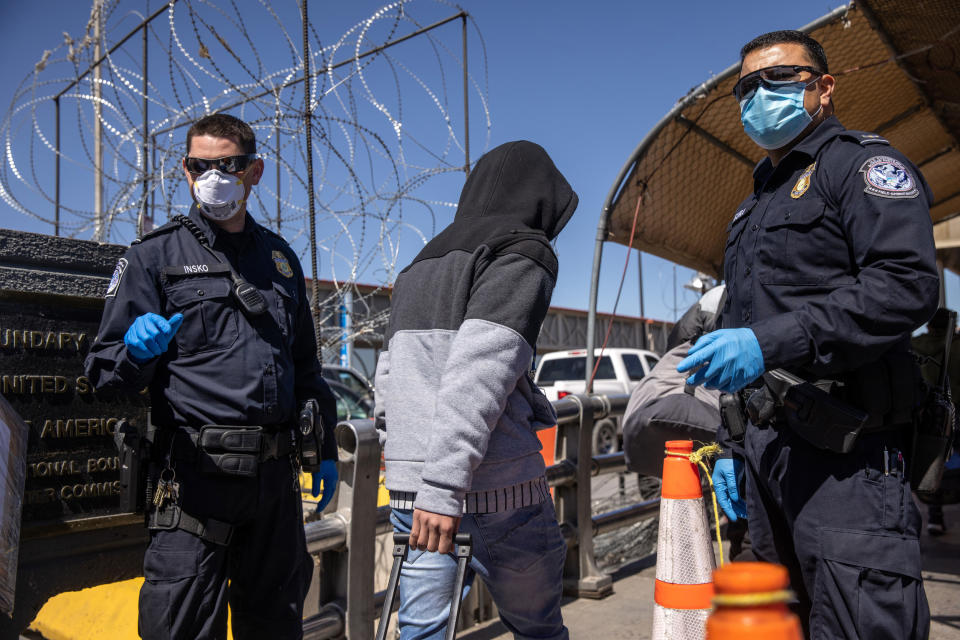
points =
(515, 200)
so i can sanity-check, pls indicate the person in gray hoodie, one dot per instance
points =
(456, 405)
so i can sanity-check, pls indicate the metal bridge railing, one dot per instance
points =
(342, 593)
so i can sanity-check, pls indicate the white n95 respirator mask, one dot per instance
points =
(219, 195)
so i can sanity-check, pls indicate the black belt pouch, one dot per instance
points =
(821, 420)
(229, 450)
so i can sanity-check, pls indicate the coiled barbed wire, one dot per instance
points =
(383, 123)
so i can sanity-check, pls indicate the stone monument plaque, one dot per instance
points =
(81, 517)
(49, 315)
(72, 463)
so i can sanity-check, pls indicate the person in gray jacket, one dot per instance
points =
(456, 405)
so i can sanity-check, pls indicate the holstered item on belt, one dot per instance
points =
(310, 436)
(170, 516)
(129, 450)
(935, 428)
(230, 450)
(731, 413)
(932, 442)
(812, 413)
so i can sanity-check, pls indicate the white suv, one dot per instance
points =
(562, 373)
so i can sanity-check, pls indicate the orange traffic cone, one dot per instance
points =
(751, 604)
(685, 561)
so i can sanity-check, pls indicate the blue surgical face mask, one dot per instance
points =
(775, 117)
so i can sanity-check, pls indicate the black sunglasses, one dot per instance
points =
(229, 164)
(770, 77)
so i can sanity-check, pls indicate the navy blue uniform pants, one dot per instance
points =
(264, 572)
(846, 531)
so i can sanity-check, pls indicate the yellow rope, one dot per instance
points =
(752, 599)
(697, 457)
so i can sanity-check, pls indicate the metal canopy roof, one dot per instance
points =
(898, 73)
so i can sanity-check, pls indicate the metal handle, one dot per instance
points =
(399, 555)
(464, 542)
(464, 552)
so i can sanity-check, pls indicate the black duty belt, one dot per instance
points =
(820, 418)
(232, 449)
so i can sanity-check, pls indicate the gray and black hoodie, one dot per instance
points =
(454, 400)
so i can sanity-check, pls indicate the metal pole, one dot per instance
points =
(943, 284)
(98, 226)
(466, 102)
(56, 171)
(153, 163)
(346, 328)
(276, 130)
(315, 307)
(643, 327)
(141, 220)
(674, 293)
(594, 289)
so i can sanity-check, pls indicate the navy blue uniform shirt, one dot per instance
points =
(831, 260)
(222, 367)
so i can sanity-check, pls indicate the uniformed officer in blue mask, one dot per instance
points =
(210, 312)
(829, 267)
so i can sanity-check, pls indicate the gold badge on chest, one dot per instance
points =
(803, 182)
(283, 265)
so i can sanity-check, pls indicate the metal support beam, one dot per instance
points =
(718, 143)
(581, 576)
(466, 101)
(144, 215)
(99, 230)
(900, 117)
(346, 574)
(56, 170)
(276, 132)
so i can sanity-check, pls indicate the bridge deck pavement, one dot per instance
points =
(628, 613)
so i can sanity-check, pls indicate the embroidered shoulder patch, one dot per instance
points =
(283, 265)
(803, 182)
(118, 272)
(888, 178)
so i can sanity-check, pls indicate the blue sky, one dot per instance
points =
(586, 80)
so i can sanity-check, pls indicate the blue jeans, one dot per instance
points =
(519, 554)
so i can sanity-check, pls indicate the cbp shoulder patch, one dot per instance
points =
(888, 178)
(118, 272)
(283, 265)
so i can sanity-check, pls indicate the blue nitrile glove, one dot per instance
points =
(732, 356)
(150, 335)
(328, 476)
(725, 474)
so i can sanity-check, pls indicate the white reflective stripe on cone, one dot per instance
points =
(684, 549)
(679, 624)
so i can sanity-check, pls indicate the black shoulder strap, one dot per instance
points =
(194, 230)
